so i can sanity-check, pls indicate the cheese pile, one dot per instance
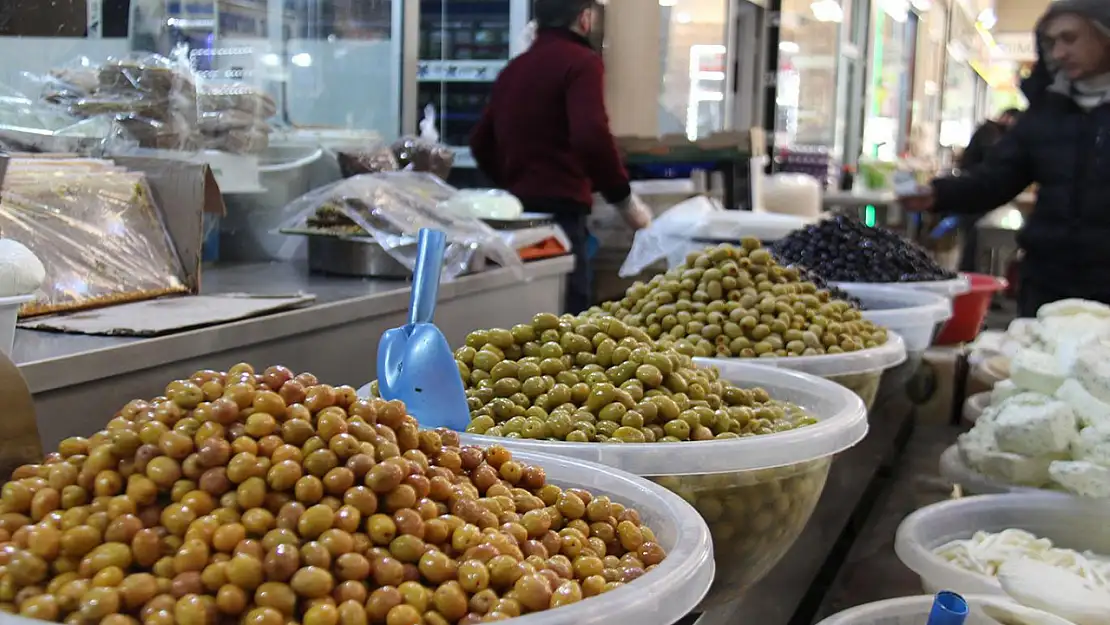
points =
(1059, 326)
(1048, 426)
(986, 552)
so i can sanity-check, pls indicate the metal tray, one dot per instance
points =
(356, 257)
(526, 220)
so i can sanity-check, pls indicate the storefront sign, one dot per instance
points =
(1015, 47)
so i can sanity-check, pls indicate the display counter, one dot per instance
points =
(77, 379)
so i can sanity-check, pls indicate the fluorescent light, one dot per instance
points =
(684, 18)
(898, 10)
(302, 59)
(667, 3)
(789, 47)
(827, 11)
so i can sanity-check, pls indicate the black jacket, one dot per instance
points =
(981, 142)
(1066, 151)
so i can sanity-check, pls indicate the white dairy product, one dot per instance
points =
(977, 443)
(985, 553)
(1090, 410)
(1003, 390)
(1034, 425)
(1036, 371)
(1073, 306)
(1092, 369)
(1016, 469)
(1057, 591)
(1093, 445)
(21, 272)
(1081, 477)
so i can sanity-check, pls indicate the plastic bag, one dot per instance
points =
(669, 237)
(232, 117)
(96, 229)
(425, 153)
(375, 157)
(485, 204)
(390, 208)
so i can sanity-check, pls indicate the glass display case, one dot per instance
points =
(463, 45)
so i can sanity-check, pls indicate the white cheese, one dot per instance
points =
(1016, 469)
(1011, 613)
(1034, 425)
(1083, 478)
(21, 272)
(1036, 371)
(1056, 591)
(1092, 369)
(975, 444)
(1090, 410)
(1003, 390)
(1069, 307)
(1093, 445)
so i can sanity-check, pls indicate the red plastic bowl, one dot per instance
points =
(970, 309)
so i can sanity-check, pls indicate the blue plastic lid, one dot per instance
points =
(949, 608)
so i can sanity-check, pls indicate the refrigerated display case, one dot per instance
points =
(463, 46)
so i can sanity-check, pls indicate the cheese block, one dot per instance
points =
(975, 444)
(1034, 425)
(1042, 586)
(1092, 369)
(1081, 477)
(1003, 390)
(1036, 371)
(1089, 410)
(1073, 306)
(1017, 469)
(1093, 445)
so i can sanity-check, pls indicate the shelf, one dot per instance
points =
(458, 71)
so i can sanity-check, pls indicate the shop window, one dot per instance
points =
(692, 96)
(809, 53)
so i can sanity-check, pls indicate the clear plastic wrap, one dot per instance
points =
(389, 209)
(668, 237)
(374, 157)
(96, 229)
(425, 153)
(232, 117)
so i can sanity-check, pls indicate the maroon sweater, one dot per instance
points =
(544, 136)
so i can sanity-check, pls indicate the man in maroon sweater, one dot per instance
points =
(545, 137)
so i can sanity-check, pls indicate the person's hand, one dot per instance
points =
(635, 213)
(920, 200)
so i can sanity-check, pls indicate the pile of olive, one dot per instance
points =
(731, 301)
(595, 379)
(269, 499)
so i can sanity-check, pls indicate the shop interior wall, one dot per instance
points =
(1018, 15)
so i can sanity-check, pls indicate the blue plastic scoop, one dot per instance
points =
(415, 363)
(949, 608)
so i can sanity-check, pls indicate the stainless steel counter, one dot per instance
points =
(78, 381)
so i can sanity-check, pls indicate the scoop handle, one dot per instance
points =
(949, 608)
(430, 248)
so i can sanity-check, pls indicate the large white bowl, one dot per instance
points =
(1069, 522)
(901, 611)
(757, 493)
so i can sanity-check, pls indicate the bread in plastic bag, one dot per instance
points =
(96, 229)
(389, 209)
(425, 153)
(374, 158)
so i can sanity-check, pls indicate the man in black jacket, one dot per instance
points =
(1061, 143)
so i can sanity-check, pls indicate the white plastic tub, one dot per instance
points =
(914, 315)
(1069, 522)
(756, 493)
(9, 316)
(948, 288)
(900, 611)
(860, 371)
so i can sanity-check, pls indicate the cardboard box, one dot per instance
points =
(184, 189)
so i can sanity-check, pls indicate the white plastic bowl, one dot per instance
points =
(975, 405)
(1069, 522)
(900, 611)
(9, 316)
(756, 493)
(914, 315)
(948, 288)
(859, 371)
(955, 470)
